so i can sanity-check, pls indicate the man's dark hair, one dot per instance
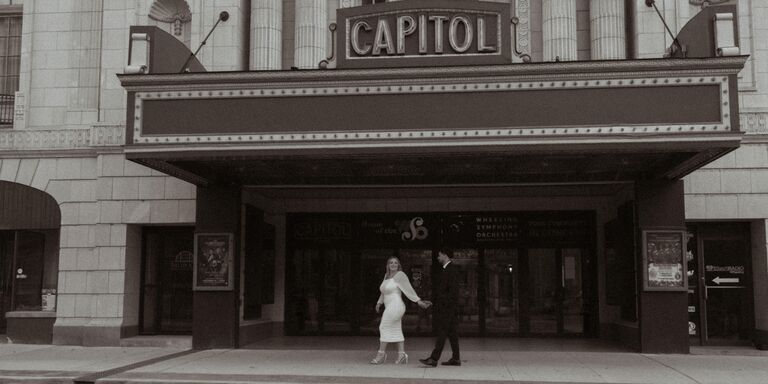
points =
(448, 251)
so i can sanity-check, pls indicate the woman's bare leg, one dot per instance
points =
(381, 355)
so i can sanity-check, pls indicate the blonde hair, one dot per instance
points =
(386, 266)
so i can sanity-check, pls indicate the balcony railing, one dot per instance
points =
(6, 109)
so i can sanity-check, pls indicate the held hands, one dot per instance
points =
(378, 307)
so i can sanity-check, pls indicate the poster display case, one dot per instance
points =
(213, 269)
(664, 263)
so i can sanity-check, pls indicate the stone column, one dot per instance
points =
(662, 316)
(215, 316)
(311, 30)
(606, 19)
(266, 34)
(559, 29)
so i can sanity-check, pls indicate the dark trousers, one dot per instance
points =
(447, 324)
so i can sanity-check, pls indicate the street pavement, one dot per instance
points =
(345, 360)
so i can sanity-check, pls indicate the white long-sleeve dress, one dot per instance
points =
(391, 327)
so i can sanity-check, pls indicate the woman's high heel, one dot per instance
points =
(402, 358)
(380, 358)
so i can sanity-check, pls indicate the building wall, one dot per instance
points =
(735, 187)
(103, 199)
(68, 136)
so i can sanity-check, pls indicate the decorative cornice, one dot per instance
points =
(525, 71)
(59, 139)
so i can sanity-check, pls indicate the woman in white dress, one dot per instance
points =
(394, 285)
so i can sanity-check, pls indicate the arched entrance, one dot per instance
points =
(29, 258)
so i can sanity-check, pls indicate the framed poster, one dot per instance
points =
(664, 263)
(213, 268)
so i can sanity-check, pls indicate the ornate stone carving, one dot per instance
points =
(176, 12)
(350, 3)
(104, 135)
(44, 139)
(754, 123)
(523, 13)
(58, 139)
(705, 3)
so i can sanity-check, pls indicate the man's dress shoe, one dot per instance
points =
(429, 361)
(452, 362)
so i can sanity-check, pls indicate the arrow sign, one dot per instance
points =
(717, 280)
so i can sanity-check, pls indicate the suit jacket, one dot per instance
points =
(447, 289)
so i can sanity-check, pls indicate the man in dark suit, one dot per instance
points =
(446, 293)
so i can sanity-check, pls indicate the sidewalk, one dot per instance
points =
(346, 361)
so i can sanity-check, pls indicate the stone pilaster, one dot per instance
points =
(311, 30)
(85, 61)
(559, 29)
(266, 34)
(606, 18)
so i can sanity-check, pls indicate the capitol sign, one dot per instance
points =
(424, 33)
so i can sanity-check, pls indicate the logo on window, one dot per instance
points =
(417, 230)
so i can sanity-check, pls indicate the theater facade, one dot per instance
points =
(562, 183)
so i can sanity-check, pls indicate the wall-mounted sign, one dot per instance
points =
(411, 229)
(424, 33)
(213, 268)
(318, 229)
(664, 263)
(725, 275)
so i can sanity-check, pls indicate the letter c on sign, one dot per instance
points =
(362, 51)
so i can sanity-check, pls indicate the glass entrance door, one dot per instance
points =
(504, 291)
(537, 291)
(469, 301)
(417, 264)
(572, 281)
(323, 295)
(542, 292)
(502, 297)
(720, 302)
(166, 290)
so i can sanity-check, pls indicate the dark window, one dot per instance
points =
(10, 58)
(28, 269)
(10, 53)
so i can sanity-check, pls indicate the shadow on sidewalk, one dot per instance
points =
(370, 343)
